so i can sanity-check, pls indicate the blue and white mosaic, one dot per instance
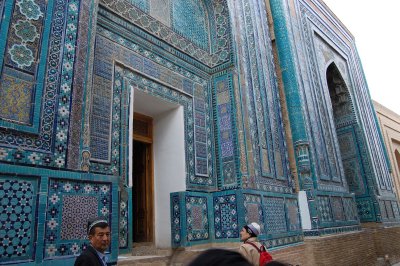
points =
(226, 217)
(69, 207)
(17, 218)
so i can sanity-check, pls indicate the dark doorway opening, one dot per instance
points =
(142, 183)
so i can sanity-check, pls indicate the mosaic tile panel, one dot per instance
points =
(219, 27)
(350, 210)
(253, 210)
(351, 161)
(200, 113)
(24, 35)
(326, 150)
(366, 133)
(17, 218)
(395, 207)
(293, 215)
(20, 75)
(48, 147)
(123, 233)
(197, 118)
(196, 218)
(275, 215)
(263, 106)
(100, 122)
(389, 209)
(61, 239)
(324, 209)
(225, 124)
(226, 217)
(383, 210)
(80, 73)
(175, 220)
(165, 93)
(76, 209)
(337, 209)
(365, 210)
(189, 18)
(16, 98)
(282, 241)
(158, 11)
(142, 4)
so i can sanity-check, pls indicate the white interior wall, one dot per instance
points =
(304, 211)
(169, 169)
(169, 157)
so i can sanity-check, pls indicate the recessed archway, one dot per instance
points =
(345, 124)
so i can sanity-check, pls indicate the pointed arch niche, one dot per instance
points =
(346, 130)
(397, 157)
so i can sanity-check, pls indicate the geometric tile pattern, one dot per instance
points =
(76, 209)
(219, 27)
(338, 80)
(17, 218)
(337, 208)
(253, 210)
(175, 221)
(17, 84)
(123, 224)
(228, 211)
(189, 18)
(105, 127)
(383, 210)
(158, 90)
(225, 125)
(15, 99)
(65, 226)
(226, 217)
(275, 216)
(389, 209)
(395, 209)
(365, 210)
(319, 113)
(351, 160)
(197, 218)
(293, 214)
(142, 4)
(262, 107)
(350, 209)
(106, 135)
(324, 209)
(53, 85)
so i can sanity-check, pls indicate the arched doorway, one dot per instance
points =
(346, 129)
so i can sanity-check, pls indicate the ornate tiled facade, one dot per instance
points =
(68, 73)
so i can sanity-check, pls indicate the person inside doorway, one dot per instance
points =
(99, 237)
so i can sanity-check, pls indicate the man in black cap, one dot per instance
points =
(99, 237)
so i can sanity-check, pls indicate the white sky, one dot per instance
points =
(375, 26)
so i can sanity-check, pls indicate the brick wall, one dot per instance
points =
(387, 242)
(360, 248)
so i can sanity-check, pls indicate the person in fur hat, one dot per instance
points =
(248, 249)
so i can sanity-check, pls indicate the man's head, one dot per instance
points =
(99, 234)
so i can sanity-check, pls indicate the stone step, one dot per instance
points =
(146, 254)
(149, 249)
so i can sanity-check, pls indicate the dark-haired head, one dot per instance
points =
(220, 257)
(96, 222)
